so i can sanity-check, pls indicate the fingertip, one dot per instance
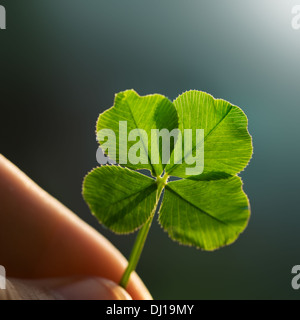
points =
(138, 288)
(37, 228)
(75, 288)
(93, 288)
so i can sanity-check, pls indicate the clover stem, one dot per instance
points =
(161, 182)
(136, 252)
(142, 236)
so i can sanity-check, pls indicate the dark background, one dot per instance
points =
(62, 61)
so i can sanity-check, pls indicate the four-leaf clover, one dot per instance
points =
(208, 210)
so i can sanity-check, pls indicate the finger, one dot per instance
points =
(63, 289)
(39, 237)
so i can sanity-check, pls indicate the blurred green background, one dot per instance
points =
(62, 61)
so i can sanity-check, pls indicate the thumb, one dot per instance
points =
(80, 288)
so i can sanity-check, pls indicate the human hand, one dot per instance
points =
(49, 253)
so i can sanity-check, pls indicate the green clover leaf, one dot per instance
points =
(208, 144)
(132, 112)
(122, 199)
(227, 143)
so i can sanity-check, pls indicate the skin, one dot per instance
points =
(40, 238)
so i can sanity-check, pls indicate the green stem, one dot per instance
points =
(136, 252)
(141, 237)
